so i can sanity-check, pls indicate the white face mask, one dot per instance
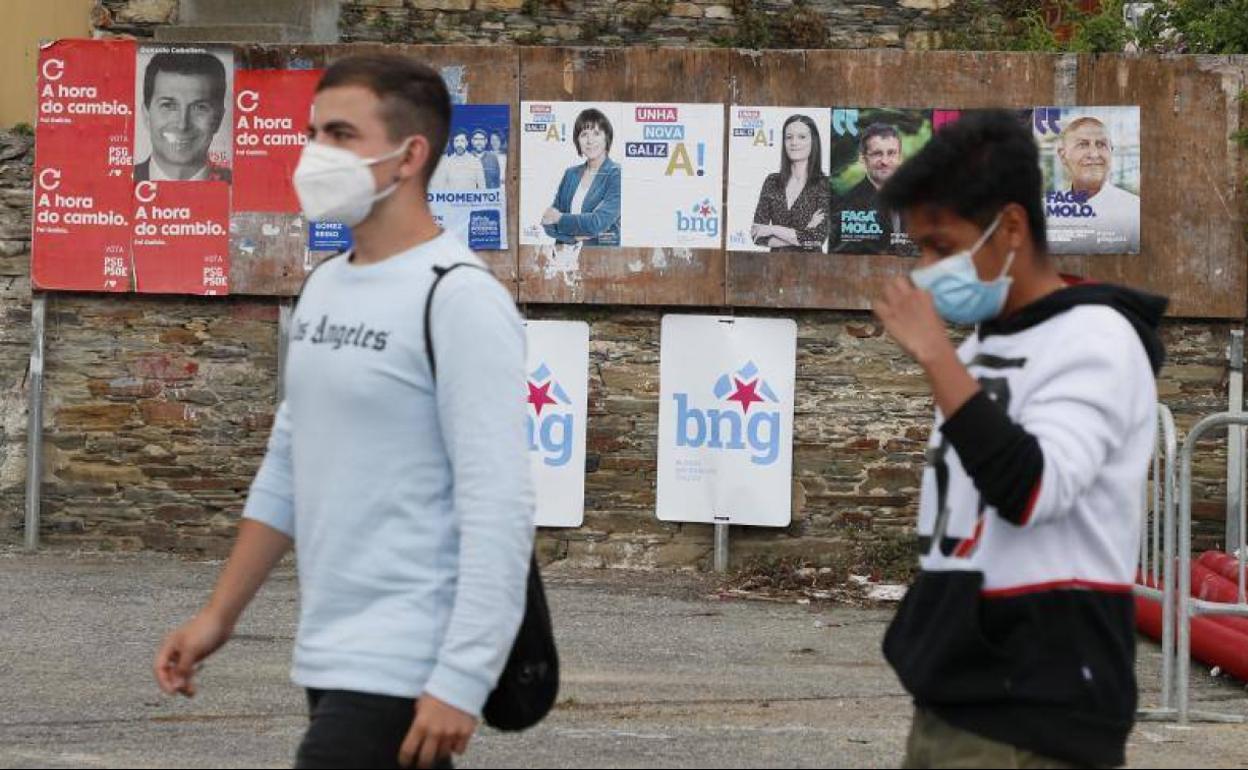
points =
(336, 185)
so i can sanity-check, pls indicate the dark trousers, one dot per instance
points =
(356, 730)
(934, 743)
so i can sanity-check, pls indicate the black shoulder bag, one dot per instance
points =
(529, 684)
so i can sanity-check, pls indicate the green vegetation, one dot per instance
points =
(1170, 26)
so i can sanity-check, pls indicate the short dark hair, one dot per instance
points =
(591, 118)
(195, 64)
(814, 166)
(974, 167)
(878, 131)
(414, 98)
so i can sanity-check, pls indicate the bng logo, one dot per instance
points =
(744, 420)
(550, 422)
(701, 217)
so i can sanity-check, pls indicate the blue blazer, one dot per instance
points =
(599, 217)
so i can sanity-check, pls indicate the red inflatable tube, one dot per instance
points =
(1222, 563)
(1210, 586)
(1212, 643)
(1148, 617)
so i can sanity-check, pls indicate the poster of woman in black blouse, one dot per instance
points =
(792, 209)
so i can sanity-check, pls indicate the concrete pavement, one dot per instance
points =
(656, 673)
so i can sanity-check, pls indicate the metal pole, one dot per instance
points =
(1241, 525)
(285, 310)
(1170, 437)
(1184, 654)
(34, 423)
(1188, 606)
(1158, 484)
(721, 546)
(1143, 555)
(1235, 441)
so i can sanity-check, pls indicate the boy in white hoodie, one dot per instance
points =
(1017, 639)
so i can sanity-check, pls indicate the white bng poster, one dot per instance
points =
(726, 419)
(779, 194)
(621, 174)
(558, 398)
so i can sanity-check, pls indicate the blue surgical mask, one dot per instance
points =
(960, 296)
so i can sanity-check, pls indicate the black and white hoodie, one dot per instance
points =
(1020, 626)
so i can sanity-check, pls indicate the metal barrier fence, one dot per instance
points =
(1190, 607)
(1157, 550)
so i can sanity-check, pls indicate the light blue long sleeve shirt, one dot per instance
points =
(411, 506)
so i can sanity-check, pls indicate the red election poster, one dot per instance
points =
(182, 237)
(83, 183)
(271, 117)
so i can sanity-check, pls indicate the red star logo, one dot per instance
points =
(746, 394)
(540, 397)
(706, 209)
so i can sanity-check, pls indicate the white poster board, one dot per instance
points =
(761, 163)
(558, 398)
(1091, 162)
(726, 420)
(659, 184)
(468, 191)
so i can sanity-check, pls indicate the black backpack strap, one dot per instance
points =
(316, 267)
(529, 683)
(439, 273)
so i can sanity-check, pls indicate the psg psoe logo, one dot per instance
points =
(556, 404)
(726, 420)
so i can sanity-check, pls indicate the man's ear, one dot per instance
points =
(1017, 226)
(417, 158)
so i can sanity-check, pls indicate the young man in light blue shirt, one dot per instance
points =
(409, 502)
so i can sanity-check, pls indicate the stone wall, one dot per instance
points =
(16, 158)
(157, 411)
(132, 18)
(861, 422)
(745, 23)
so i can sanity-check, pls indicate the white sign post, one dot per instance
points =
(726, 420)
(558, 398)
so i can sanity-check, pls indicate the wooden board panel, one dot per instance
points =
(884, 78)
(1193, 210)
(267, 264)
(625, 276)
(267, 249)
(268, 254)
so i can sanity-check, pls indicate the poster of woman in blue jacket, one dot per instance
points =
(586, 208)
(621, 175)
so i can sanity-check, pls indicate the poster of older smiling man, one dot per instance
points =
(1091, 162)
